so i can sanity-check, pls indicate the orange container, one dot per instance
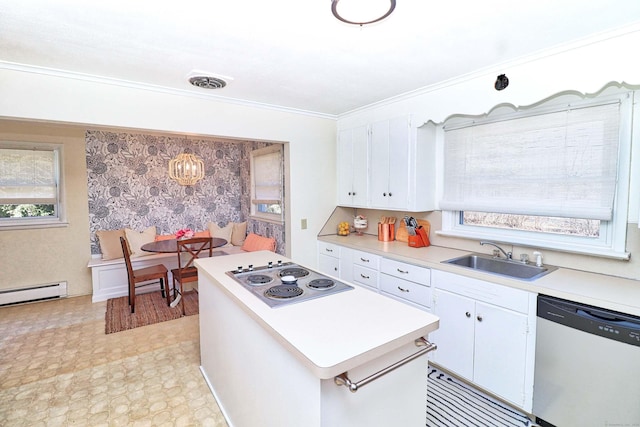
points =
(386, 232)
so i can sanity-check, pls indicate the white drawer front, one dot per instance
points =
(406, 271)
(480, 290)
(405, 289)
(366, 259)
(365, 276)
(329, 249)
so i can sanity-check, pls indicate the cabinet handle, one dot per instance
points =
(390, 194)
(467, 314)
(364, 260)
(364, 277)
(402, 271)
(384, 194)
(335, 268)
(479, 318)
(349, 193)
(403, 290)
(328, 250)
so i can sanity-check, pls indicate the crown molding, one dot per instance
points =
(53, 72)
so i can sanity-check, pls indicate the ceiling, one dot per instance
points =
(292, 53)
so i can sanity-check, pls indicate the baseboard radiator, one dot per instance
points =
(33, 293)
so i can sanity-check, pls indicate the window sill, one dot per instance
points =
(266, 219)
(567, 247)
(32, 225)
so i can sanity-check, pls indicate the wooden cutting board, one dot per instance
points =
(402, 235)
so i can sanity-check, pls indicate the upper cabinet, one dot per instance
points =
(353, 161)
(401, 166)
(389, 178)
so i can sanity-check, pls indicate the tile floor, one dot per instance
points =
(58, 368)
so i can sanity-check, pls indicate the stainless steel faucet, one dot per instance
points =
(508, 255)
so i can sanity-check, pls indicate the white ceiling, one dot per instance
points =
(293, 53)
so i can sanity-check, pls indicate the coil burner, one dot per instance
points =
(283, 292)
(259, 279)
(278, 284)
(321, 284)
(296, 272)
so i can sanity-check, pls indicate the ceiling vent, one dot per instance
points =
(207, 82)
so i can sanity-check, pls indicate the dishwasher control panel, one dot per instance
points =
(598, 321)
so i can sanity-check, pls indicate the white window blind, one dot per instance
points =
(267, 169)
(27, 176)
(561, 163)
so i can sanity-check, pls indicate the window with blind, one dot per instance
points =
(29, 185)
(267, 173)
(551, 176)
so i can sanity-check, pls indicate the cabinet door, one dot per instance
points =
(389, 179)
(500, 351)
(329, 265)
(353, 160)
(455, 336)
(399, 165)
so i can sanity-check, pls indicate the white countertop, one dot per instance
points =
(332, 334)
(600, 290)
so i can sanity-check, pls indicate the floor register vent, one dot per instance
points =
(33, 294)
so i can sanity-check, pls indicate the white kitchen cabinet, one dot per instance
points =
(407, 282)
(335, 260)
(353, 166)
(389, 180)
(329, 258)
(486, 335)
(366, 268)
(402, 171)
(389, 164)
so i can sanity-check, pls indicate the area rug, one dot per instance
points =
(150, 308)
(452, 403)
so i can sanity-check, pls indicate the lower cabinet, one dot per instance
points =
(366, 268)
(406, 282)
(335, 260)
(486, 335)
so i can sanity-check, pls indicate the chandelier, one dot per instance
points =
(186, 169)
(361, 12)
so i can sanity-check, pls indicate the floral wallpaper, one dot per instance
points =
(129, 185)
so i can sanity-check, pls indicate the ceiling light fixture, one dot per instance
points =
(186, 169)
(362, 12)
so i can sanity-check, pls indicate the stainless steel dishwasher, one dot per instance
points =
(587, 364)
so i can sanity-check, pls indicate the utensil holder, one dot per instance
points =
(386, 232)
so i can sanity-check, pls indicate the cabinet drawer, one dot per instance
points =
(366, 259)
(406, 271)
(365, 276)
(405, 289)
(479, 290)
(329, 249)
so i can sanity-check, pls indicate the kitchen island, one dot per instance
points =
(277, 366)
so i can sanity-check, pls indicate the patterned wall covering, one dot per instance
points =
(129, 185)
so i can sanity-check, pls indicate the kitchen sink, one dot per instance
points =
(501, 266)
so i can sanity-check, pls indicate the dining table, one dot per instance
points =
(171, 245)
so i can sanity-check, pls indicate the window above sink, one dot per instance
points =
(514, 176)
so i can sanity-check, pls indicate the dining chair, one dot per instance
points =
(141, 277)
(188, 251)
